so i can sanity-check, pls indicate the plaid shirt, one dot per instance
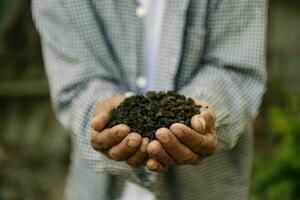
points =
(211, 50)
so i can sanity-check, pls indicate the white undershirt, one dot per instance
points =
(152, 11)
(153, 23)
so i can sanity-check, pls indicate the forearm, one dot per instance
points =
(231, 75)
(74, 106)
(78, 81)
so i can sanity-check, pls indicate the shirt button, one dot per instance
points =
(140, 11)
(141, 82)
(129, 94)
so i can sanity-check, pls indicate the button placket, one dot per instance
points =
(141, 82)
(140, 11)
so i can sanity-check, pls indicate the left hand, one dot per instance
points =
(183, 145)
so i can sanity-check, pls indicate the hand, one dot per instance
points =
(183, 145)
(117, 143)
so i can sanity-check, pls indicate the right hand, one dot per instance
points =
(117, 143)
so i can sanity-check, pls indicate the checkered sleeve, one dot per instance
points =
(77, 82)
(232, 76)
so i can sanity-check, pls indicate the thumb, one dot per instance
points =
(102, 112)
(198, 123)
(204, 122)
(100, 120)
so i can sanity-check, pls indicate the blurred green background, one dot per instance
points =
(34, 150)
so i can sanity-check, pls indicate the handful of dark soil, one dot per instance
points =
(146, 114)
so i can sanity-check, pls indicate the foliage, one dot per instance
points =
(277, 173)
(20, 54)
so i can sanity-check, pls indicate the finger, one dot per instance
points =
(155, 166)
(102, 112)
(126, 148)
(180, 153)
(188, 136)
(209, 120)
(212, 141)
(156, 151)
(201, 144)
(203, 122)
(198, 123)
(94, 142)
(100, 120)
(108, 104)
(139, 156)
(109, 137)
(207, 108)
(204, 106)
(116, 100)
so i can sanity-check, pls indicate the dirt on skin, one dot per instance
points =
(146, 114)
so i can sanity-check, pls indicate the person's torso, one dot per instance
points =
(114, 32)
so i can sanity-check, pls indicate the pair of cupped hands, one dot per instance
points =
(178, 144)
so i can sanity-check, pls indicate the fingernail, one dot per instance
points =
(121, 134)
(177, 131)
(202, 121)
(133, 143)
(146, 140)
(154, 166)
(97, 118)
(164, 137)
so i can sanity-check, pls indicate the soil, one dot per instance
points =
(146, 114)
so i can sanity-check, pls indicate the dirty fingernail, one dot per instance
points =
(153, 166)
(95, 120)
(133, 143)
(177, 130)
(121, 134)
(98, 118)
(164, 137)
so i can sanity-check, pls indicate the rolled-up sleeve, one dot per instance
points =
(232, 75)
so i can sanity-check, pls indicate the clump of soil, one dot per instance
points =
(146, 114)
